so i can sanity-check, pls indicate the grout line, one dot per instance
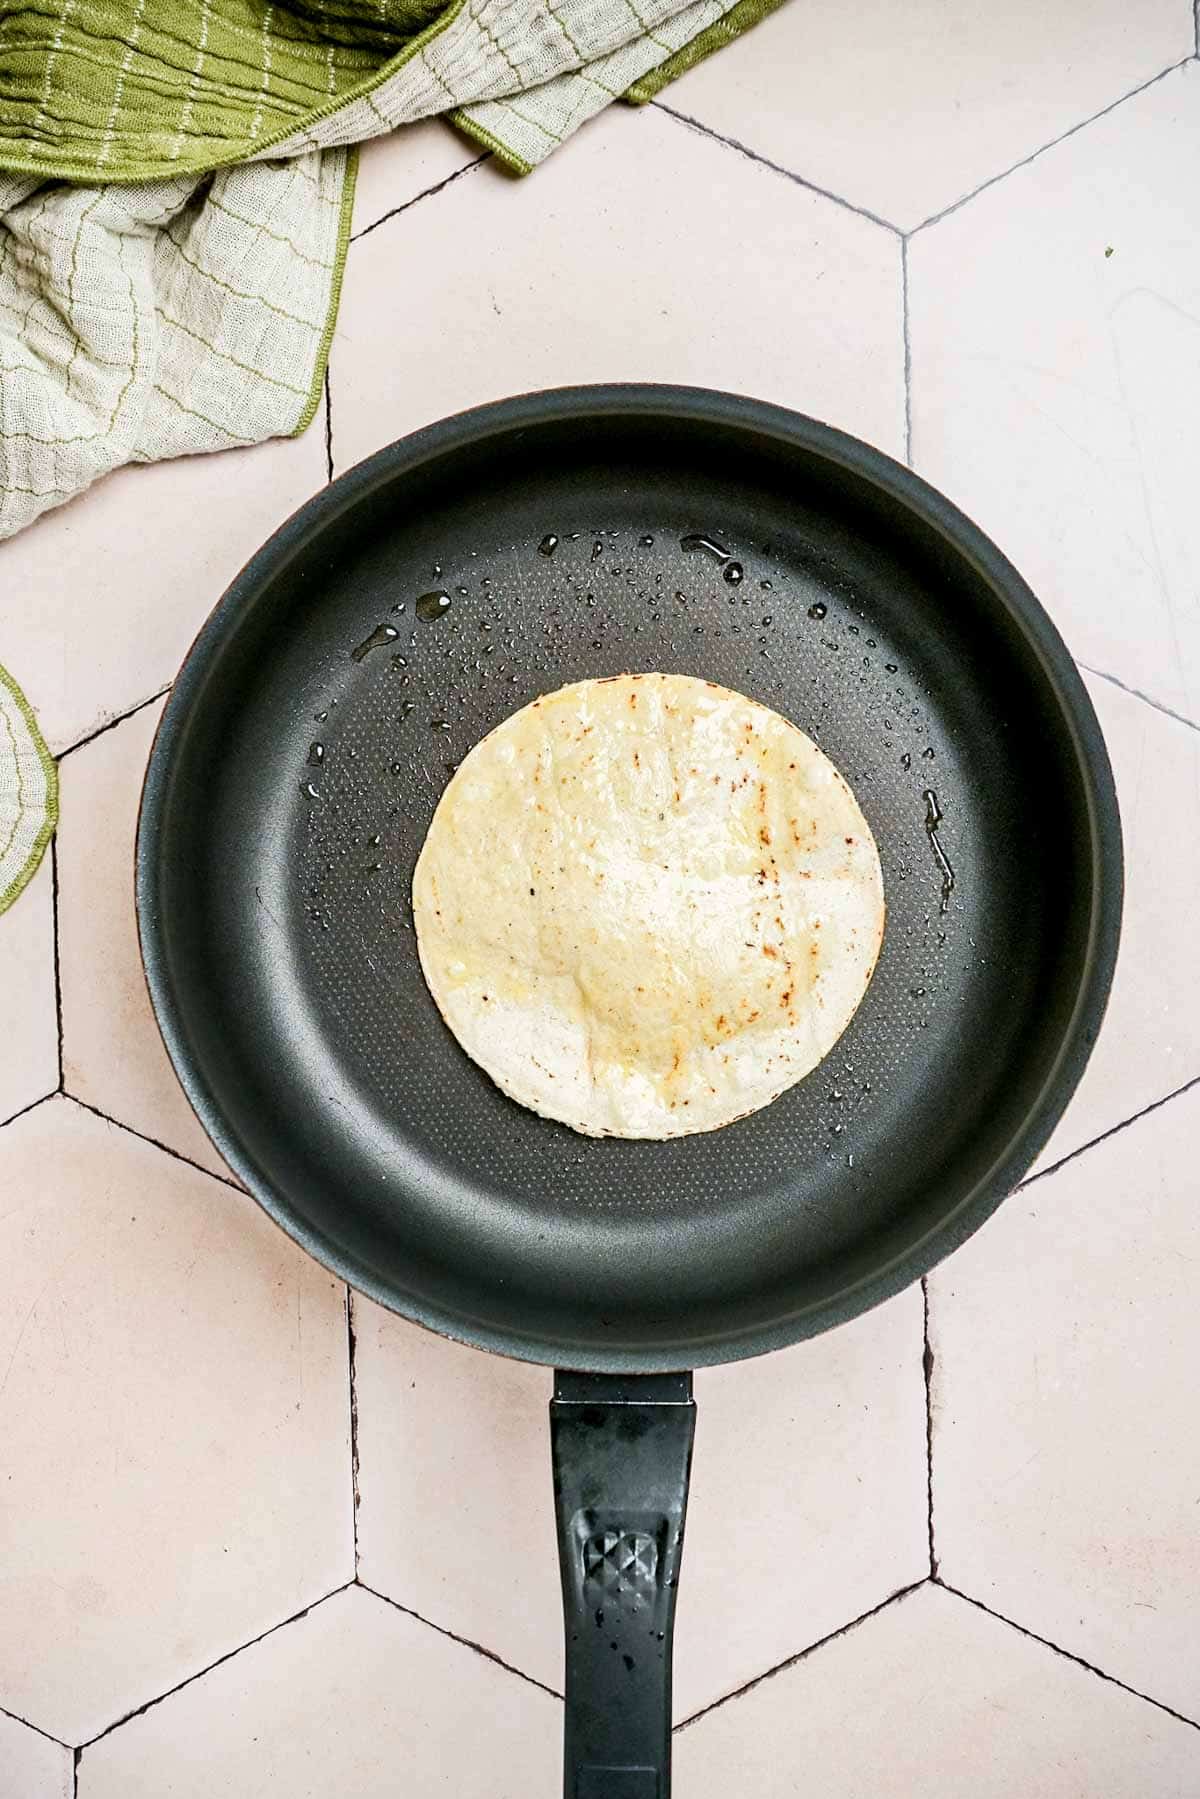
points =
(782, 1667)
(351, 1346)
(1136, 692)
(1196, 27)
(76, 1758)
(139, 1710)
(1068, 1655)
(176, 1155)
(927, 1367)
(56, 922)
(936, 217)
(427, 194)
(111, 724)
(328, 428)
(36, 1728)
(463, 1642)
(813, 187)
(31, 1106)
(1113, 1131)
(908, 347)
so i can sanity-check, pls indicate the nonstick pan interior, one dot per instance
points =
(316, 724)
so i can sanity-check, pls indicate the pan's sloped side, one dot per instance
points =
(309, 737)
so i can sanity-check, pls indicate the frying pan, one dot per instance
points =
(296, 770)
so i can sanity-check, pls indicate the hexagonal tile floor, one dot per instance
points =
(174, 1419)
(249, 1525)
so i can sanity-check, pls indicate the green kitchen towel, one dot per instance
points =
(176, 183)
(28, 792)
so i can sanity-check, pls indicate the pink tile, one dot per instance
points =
(100, 599)
(174, 1415)
(1055, 327)
(113, 1057)
(1149, 1043)
(906, 113)
(31, 1766)
(931, 1697)
(743, 281)
(808, 1498)
(354, 1699)
(175, 1476)
(29, 1064)
(1065, 1456)
(821, 1447)
(454, 1459)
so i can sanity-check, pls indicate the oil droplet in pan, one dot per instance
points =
(818, 610)
(548, 544)
(381, 635)
(696, 542)
(933, 818)
(433, 605)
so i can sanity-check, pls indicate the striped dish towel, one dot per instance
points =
(176, 184)
(28, 792)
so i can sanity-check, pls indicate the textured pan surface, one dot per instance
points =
(274, 878)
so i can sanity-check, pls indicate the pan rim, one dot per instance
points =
(579, 404)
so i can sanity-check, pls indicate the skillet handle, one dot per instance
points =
(622, 1453)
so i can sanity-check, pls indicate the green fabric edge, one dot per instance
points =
(158, 171)
(349, 182)
(50, 770)
(479, 134)
(722, 31)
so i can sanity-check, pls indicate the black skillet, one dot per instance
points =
(297, 767)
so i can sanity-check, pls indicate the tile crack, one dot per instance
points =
(110, 724)
(1067, 1654)
(426, 194)
(904, 326)
(30, 1106)
(927, 1360)
(463, 1642)
(30, 1725)
(176, 1155)
(813, 187)
(1136, 693)
(351, 1351)
(1112, 1131)
(802, 1655)
(139, 1710)
(935, 218)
